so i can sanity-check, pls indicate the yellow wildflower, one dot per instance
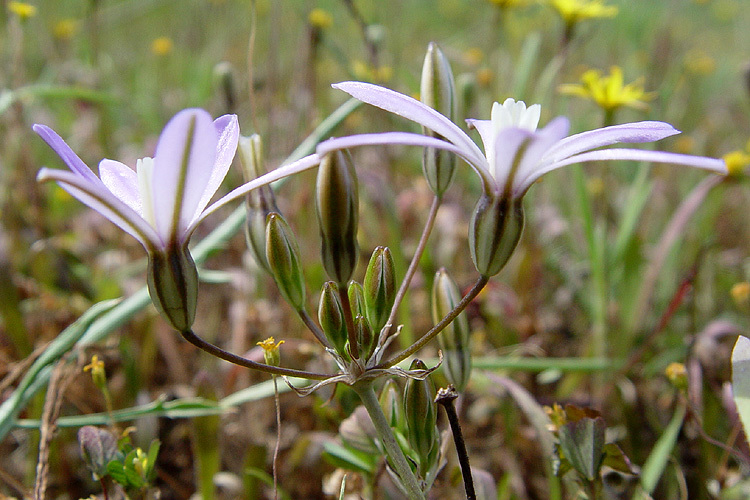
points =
(575, 11)
(741, 293)
(320, 19)
(364, 71)
(162, 46)
(98, 373)
(677, 374)
(65, 29)
(608, 91)
(473, 56)
(22, 9)
(736, 162)
(485, 77)
(271, 351)
(699, 62)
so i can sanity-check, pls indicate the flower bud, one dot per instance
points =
(331, 317)
(420, 415)
(391, 400)
(379, 287)
(282, 252)
(438, 91)
(98, 448)
(364, 336)
(337, 204)
(260, 202)
(173, 285)
(454, 340)
(356, 299)
(494, 232)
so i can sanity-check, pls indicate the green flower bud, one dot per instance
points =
(260, 202)
(331, 317)
(173, 285)
(337, 204)
(364, 336)
(438, 91)
(494, 232)
(282, 252)
(454, 340)
(379, 287)
(392, 402)
(466, 87)
(420, 415)
(357, 299)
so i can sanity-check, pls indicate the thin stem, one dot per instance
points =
(446, 397)
(278, 439)
(398, 460)
(213, 350)
(310, 324)
(429, 224)
(439, 327)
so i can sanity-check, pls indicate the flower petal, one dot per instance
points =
(183, 163)
(279, 173)
(406, 139)
(229, 132)
(416, 111)
(508, 142)
(60, 147)
(637, 132)
(542, 141)
(122, 181)
(711, 164)
(96, 196)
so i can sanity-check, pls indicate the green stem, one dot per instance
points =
(398, 460)
(198, 342)
(310, 324)
(429, 223)
(439, 327)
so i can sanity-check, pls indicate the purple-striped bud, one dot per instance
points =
(380, 287)
(438, 91)
(260, 202)
(337, 204)
(282, 252)
(331, 317)
(421, 417)
(454, 339)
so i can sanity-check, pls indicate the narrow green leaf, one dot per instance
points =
(657, 460)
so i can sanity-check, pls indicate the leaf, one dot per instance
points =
(582, 443)
(741, 380)
(350, 459)
(616, 459)
(657, 460)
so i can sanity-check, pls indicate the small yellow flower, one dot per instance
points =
(98, 373)
(162, 46)
(608, 91)
(65, 29)
(677, 374)
(736, 162)
(363, 71)
(473, 56)
(575, 11)
(699, 62)
(22, 9)
(485, 77)
(741, 293)
(271, 351)
(320, 19)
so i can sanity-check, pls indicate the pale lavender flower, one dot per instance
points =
(161, 202)
(516, 154)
